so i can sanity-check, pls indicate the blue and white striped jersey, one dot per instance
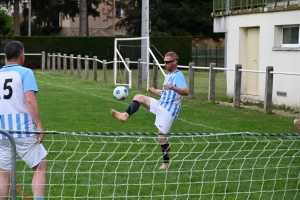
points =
(15, 81)
(170, 99)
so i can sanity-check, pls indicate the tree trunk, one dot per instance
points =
(87, 24)
(16, 18)
(83, 27)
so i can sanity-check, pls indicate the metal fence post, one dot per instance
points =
(13, 173)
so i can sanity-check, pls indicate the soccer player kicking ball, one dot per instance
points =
(166, 108)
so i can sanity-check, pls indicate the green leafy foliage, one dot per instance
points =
(171, 17)
(35, 30)
(6, 23)
(45, 11)
(102, 47)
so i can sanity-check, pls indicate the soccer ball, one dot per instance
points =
(120, 93)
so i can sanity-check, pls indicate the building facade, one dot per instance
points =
(100, 26)
(260, 34)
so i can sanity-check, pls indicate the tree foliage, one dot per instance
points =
(171, 17)
(6, 23)
(47, 11)
(16, 12)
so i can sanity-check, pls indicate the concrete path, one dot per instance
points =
(277, 112)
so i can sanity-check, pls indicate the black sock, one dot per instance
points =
(165, 149)
(133, 107)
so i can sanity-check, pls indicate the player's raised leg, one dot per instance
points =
(118, 115)
(132, 108)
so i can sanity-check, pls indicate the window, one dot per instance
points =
(290, 36)
(119, 11)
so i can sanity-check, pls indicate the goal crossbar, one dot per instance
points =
(117, 55)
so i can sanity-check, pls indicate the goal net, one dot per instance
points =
(127, 53)
(203, 166)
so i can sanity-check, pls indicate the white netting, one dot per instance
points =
(134, 49)
(202, 167)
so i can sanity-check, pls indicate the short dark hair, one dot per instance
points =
(172, 54)
(13, 50)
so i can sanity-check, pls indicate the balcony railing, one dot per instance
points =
(227, 6)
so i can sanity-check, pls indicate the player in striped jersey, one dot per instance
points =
(19, 111)
(166, 108)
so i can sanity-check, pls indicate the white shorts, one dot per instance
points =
(164, 119)
(28, 149)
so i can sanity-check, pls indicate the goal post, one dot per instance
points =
(119, 58)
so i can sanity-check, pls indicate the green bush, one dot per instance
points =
(102, 47)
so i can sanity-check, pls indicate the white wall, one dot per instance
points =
(282, 60)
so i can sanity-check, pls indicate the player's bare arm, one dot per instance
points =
(181, 91)
(154, 91)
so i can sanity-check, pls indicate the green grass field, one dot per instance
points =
(108, 166)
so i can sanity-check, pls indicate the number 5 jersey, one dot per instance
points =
(15, 81)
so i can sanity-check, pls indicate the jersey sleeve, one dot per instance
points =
(29, 82)
(180, 81)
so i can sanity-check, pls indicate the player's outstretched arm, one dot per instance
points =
(181, 91)
(154, 91)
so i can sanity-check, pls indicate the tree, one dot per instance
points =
(16, 15)
(83, 19)
(47, 12)
(132, 19)
(171, 17)
(6, 23)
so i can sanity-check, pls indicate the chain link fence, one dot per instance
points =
(204, 55)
